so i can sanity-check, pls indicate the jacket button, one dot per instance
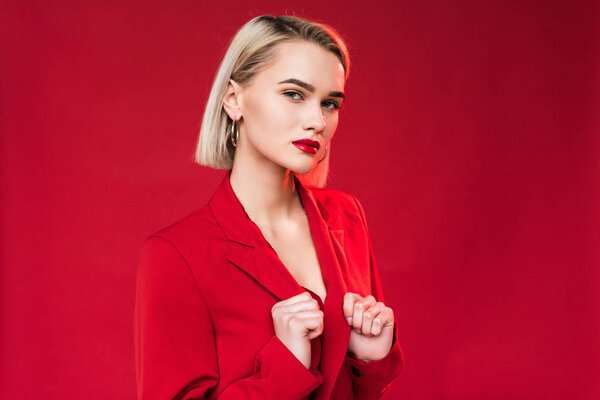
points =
(355, 371)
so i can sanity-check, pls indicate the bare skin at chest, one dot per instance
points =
(292, 241)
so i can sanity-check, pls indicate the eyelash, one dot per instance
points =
(290, 94)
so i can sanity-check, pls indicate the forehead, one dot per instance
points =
(309, 63)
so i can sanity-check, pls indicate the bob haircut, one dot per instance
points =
(251, 50)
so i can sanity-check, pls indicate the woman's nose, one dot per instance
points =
(315, 119)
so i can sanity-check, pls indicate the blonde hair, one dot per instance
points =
(251, 50)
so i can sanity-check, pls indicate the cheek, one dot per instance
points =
(268, 116)
(332, 124)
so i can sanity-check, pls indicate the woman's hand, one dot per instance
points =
(297, 321)
(372, 326)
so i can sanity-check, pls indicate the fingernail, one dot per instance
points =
(349, 320)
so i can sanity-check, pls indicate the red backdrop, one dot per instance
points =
(478, 168)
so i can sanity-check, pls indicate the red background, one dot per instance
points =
(470, 134)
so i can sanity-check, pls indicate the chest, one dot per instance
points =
(296, 250)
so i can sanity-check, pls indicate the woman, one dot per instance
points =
(270, 291)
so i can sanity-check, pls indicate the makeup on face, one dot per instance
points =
(291, 107)
(307, 145)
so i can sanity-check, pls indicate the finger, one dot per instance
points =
(308, 305)
(314, 333)
(357, 316)
(384, 319)
(348, 305)
(369, 301)
(297, 298)
(304, 296)
(315, 330)
(301, 316)
(369, 315)
(307, 321)
(374, 310)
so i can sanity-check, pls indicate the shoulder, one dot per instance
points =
(200, 223)
(333, 197)
(338, 205)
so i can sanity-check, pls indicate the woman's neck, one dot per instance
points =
(267, 192)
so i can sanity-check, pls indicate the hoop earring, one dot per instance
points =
(325, 156)
(234, 142)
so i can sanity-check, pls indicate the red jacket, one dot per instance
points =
(205, 288)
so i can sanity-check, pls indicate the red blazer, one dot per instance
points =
(205, 288)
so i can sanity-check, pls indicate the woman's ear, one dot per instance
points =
(231, 101)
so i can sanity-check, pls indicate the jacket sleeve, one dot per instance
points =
(175, 347)
(371, 379)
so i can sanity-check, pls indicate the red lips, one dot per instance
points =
(309, 142)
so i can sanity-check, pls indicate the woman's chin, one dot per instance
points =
(303, 168)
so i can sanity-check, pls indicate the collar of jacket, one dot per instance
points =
(238, 227)
(250, 252)
(241, 230)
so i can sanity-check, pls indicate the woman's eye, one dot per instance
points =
(332, 105)
(291, 95)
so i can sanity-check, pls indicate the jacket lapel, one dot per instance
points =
(250, 252)
(329, 241)
(247, 249)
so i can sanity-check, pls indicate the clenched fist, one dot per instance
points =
(372, 326)
(297, 321)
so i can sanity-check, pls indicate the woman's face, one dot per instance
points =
(297, 97)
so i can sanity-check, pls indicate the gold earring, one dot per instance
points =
(234, 142)
(325, 156)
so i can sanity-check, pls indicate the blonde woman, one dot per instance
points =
(269, 291)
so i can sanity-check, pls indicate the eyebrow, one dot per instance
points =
(310, 87)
